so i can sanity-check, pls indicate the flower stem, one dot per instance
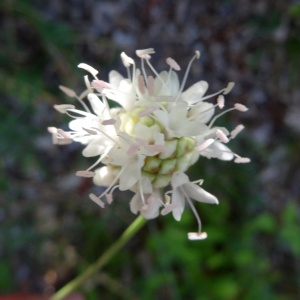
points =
(71, 286)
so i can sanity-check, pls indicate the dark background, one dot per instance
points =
(50, 230)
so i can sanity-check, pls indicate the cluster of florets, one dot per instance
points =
(148, 142)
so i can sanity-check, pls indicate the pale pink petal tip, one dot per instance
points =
(193, 236)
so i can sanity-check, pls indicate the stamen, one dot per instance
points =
(173, 64)
(67, 91)
(229, 87)
(189, 201)
(240, 107)
(97, 200)
(222, 136)
(154, 71)
(83, 104)
(150, 85)
(127, 61)
(100, 85)
(236, 130)
(141, 84)
(193, 236)
(109, 198)
(88, 68)
(221, 101)
(90, 131)
(197, 55)
(87, 83)
(205, 144)
(144, 53)
(85, 173)
(109, 122)
(62, 108)
(242, 160)
(219, 115)
(64, 134)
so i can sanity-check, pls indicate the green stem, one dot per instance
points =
(71, 286)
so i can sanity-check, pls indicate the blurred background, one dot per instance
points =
(50, 230)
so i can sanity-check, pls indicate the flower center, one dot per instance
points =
(178, 156)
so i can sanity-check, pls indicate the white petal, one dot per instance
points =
(96, 103)
(190, 128)
(194, 93)
(179, 202)
(104, 176)
(218, 150)
(136, 203)
(197, 193)
(178, 179)
(202, 112)
(115, 78)
(152, 211)
(94, 148)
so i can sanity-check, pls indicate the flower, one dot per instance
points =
(150, 137)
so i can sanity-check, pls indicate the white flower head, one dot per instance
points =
(147, 143)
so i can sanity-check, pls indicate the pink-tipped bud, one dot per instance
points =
(240, 107)
(222, 136)
(236, 130)
(221, 101)
(173, 64)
